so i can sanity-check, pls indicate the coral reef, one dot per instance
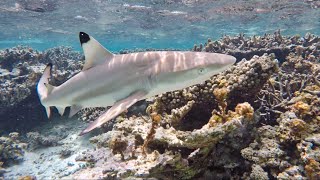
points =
(2, 170)
(20, 69)
(169, 150)
(36, 140)
(47, 139)
(273, 131)
(289, 102)
(260, 119)
(246, 47)
(38, 6)
(258, 173)
(11, 149)
(52, 162)
(242, 81)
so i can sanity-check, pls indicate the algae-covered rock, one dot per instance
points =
(265, 151)
(11, 149)
(258, 173)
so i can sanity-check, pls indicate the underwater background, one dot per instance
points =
(260, 119)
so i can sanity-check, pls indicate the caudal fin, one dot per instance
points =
(44, 88)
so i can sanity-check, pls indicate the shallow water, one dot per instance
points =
(259, 119)
(174, 24)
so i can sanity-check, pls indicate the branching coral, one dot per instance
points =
(294, 138)
(246, 47)
(221, 98)
(155, 118)
(174, 119)
(287, 88)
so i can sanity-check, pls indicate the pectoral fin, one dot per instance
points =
(115, 110)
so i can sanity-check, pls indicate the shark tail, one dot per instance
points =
(44, 88)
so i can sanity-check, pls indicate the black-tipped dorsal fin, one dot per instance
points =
(94, 52)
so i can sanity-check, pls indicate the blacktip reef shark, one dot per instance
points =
(121, 80)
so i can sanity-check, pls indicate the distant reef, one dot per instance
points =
(260, 119)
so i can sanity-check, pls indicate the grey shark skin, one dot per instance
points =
(121, 80)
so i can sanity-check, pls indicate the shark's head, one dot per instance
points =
(189, 68)
(209, 64)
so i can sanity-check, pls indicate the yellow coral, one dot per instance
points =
(155, 117)
(297, 125)
(313, 169)
(297, 93)
(26, 178)
(245, 110)
(221, 94)
(301, 108)
(214, 120)
(221, 97)
(223, 83)
(242, 110)
(272, 81)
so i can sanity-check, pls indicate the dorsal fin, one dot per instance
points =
(94, 52)
(49, 88)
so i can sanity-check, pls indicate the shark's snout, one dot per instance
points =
(226, 60)
(221, 60)
(230, 60)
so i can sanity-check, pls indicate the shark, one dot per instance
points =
(121, 80)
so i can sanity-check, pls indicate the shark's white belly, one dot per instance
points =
(108, 99)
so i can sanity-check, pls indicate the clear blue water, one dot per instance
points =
(125, 24)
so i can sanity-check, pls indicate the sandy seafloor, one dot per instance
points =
(46, 162)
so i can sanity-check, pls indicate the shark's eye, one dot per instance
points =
(201, 70)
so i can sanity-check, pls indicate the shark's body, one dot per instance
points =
(122, 80)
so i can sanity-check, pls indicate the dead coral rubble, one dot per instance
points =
(37, 140)
(47, 139)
